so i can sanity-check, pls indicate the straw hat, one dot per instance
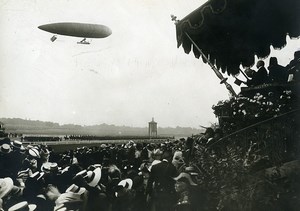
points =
(34, 152)
(126, 183)
(23, 206)
(5, 148)
(16, 144)
(93, 177)
(6, 185)
(68, 198)
(76, 189)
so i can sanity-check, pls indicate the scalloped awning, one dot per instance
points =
(232, 32)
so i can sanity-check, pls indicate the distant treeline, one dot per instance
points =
(21, 126)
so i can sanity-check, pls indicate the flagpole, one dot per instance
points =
(217, 72)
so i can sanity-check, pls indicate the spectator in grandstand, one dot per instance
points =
(277, 73)
(207, 135)
(260, 76)
(294, 67)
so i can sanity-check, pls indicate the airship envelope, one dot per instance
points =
(77, 29)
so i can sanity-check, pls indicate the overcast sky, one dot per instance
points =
(125, 79)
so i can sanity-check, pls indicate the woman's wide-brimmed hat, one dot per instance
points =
(126, 183)
(93, 177)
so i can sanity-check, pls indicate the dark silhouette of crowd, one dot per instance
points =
(109, 177)
(274, 73)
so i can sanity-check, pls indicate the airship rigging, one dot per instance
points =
(84, 30)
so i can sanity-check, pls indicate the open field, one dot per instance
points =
(62, 146)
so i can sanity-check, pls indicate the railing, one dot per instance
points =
(276, 139)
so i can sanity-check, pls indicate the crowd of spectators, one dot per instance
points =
(274, 73)
(110, 177)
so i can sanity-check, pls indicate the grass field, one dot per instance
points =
(62, 146)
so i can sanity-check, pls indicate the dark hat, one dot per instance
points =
(260, 63)
(249, 72)
(273, 61)
(167, 154)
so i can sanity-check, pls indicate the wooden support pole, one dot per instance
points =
(217, 72)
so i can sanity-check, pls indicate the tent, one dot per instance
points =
(229, 33)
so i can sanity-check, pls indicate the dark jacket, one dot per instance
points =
(162, 175)
(278, 73)
(260, 77)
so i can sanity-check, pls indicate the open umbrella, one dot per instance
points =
(229, 33)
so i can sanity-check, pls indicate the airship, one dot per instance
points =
(84, 30)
